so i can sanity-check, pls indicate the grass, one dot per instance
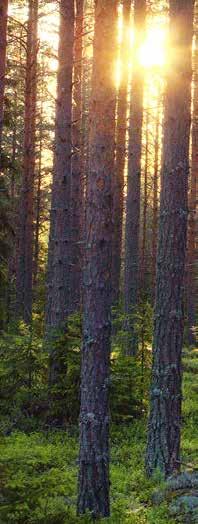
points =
(38, 472)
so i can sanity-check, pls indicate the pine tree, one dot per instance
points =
(163, 448)
(76, 182)
(118, 192)
(3, 33)
(133, 183)
(192, 288)
(25, 248)
(93, 492)
(60, 237)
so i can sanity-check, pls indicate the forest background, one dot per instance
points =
(98, 239)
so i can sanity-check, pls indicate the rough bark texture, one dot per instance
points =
(155, 204)
(93, 492)
(77, 182)
(60, 238)
(192, 288)
(163, 448)
(25, 249)
(118, 197)
(133, 183)
(3, 33)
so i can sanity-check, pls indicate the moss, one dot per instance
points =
(38, 473)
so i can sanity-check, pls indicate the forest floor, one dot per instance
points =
(38, 472)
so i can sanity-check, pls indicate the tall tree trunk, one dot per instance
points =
(25, 250)
(145, 210)
(133, 183)
(155, 203)
(118, 196)
(38, 200)
(94, 416)
(192, 288)
(3, 33)
(163, 448)
(77, 183)
(60, 237)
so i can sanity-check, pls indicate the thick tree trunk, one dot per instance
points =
(192, 288)
(133, 183)
(163, 448)
(3, 33)
(77, 182)
(25, 250)
(94, 416)
(60, 237)
(118, 196)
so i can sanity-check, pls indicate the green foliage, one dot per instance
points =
(26, 401)
(38, 471)
(38, 479)
(5, 235)
(65, 395)
(130, 376)
(23, 371)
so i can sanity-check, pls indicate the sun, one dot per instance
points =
(152, 52)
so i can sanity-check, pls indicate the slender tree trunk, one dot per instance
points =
(133, 183)
(11, 271)
(145, 210)
(38, 201)
(93, 492)
(25, 250)
(3, 34)
(163, 448)
(77, 183)
(118, 196)
(60, 237)
(192, 288)
(155, 204)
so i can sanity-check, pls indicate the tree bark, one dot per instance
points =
(133, 183)
(60, 238)
(192, 288)
(118, 193)
(25, 249)
(93, 494)
(155, 204)
(77, 182)
(3, 34)
(144, 266)
(38, 199)
(163, 447)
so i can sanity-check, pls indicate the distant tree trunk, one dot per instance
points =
(163, 448)
(60, 237)
(192, 288)
(77, 183)
(155, 204)
(25, 249)
(38, 201)
(133, 183)
(145, 210)
(118, 196)
(93, 492)
(3, 33)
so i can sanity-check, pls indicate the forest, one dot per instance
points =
(98, 261)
